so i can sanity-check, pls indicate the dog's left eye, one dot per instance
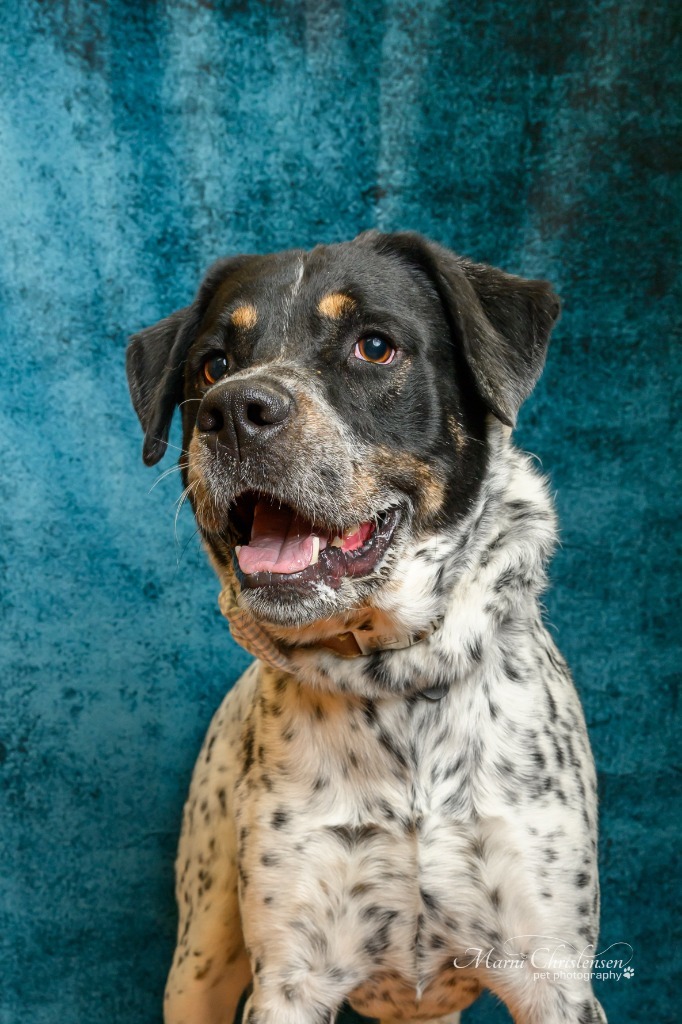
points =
(374, 349)
(215, 367)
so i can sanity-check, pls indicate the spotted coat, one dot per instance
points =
(346, 839)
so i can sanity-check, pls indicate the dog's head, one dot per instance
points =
(334, 406)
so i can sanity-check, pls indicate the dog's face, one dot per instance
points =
(334, 408)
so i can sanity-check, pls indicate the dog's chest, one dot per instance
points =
(362, 822)
(401, 765)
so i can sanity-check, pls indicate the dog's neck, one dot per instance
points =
(452, 592)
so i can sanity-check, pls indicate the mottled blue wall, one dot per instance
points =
(139, 141)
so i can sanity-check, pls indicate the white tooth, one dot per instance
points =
(351, 530)
(337, 542)
(316, 551)
(237, 549)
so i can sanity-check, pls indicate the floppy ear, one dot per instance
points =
(155, 361)
(503, 322)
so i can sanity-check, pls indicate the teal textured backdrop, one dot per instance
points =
(138, 142)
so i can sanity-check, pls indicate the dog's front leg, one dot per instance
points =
(557, 1009)
(205, 1000)
(300, 975)
(210, 967)
(270, 1005)
(452, 1018)
(547, 1001)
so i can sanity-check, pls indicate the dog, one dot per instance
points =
(395, 806)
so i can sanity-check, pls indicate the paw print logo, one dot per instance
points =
(628, 972)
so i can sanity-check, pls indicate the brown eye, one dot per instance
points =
(373, 349)
(214, 368)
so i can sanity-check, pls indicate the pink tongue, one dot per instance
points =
(280, 541)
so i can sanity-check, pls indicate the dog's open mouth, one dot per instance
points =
(280, 545)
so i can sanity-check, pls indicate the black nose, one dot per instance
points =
(239, 415)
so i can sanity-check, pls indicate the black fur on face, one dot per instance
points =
(342, 387)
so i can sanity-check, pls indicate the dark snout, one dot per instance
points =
(239, 416)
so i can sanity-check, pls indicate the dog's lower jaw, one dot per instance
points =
(292, 612)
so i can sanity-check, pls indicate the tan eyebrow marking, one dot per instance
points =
(245, 316)
(335, 304)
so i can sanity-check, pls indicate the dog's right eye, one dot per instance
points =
(215, 367)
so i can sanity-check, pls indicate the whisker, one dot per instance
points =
(180, 502)
(183, 451)
(162, 476)
(181, 499)
(182, 553)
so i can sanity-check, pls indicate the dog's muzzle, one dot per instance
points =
(275, 462)
(241, 416)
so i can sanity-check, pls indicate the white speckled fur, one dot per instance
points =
(345, 840)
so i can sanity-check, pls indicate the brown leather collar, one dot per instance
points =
(358, 643)
(257, 640)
